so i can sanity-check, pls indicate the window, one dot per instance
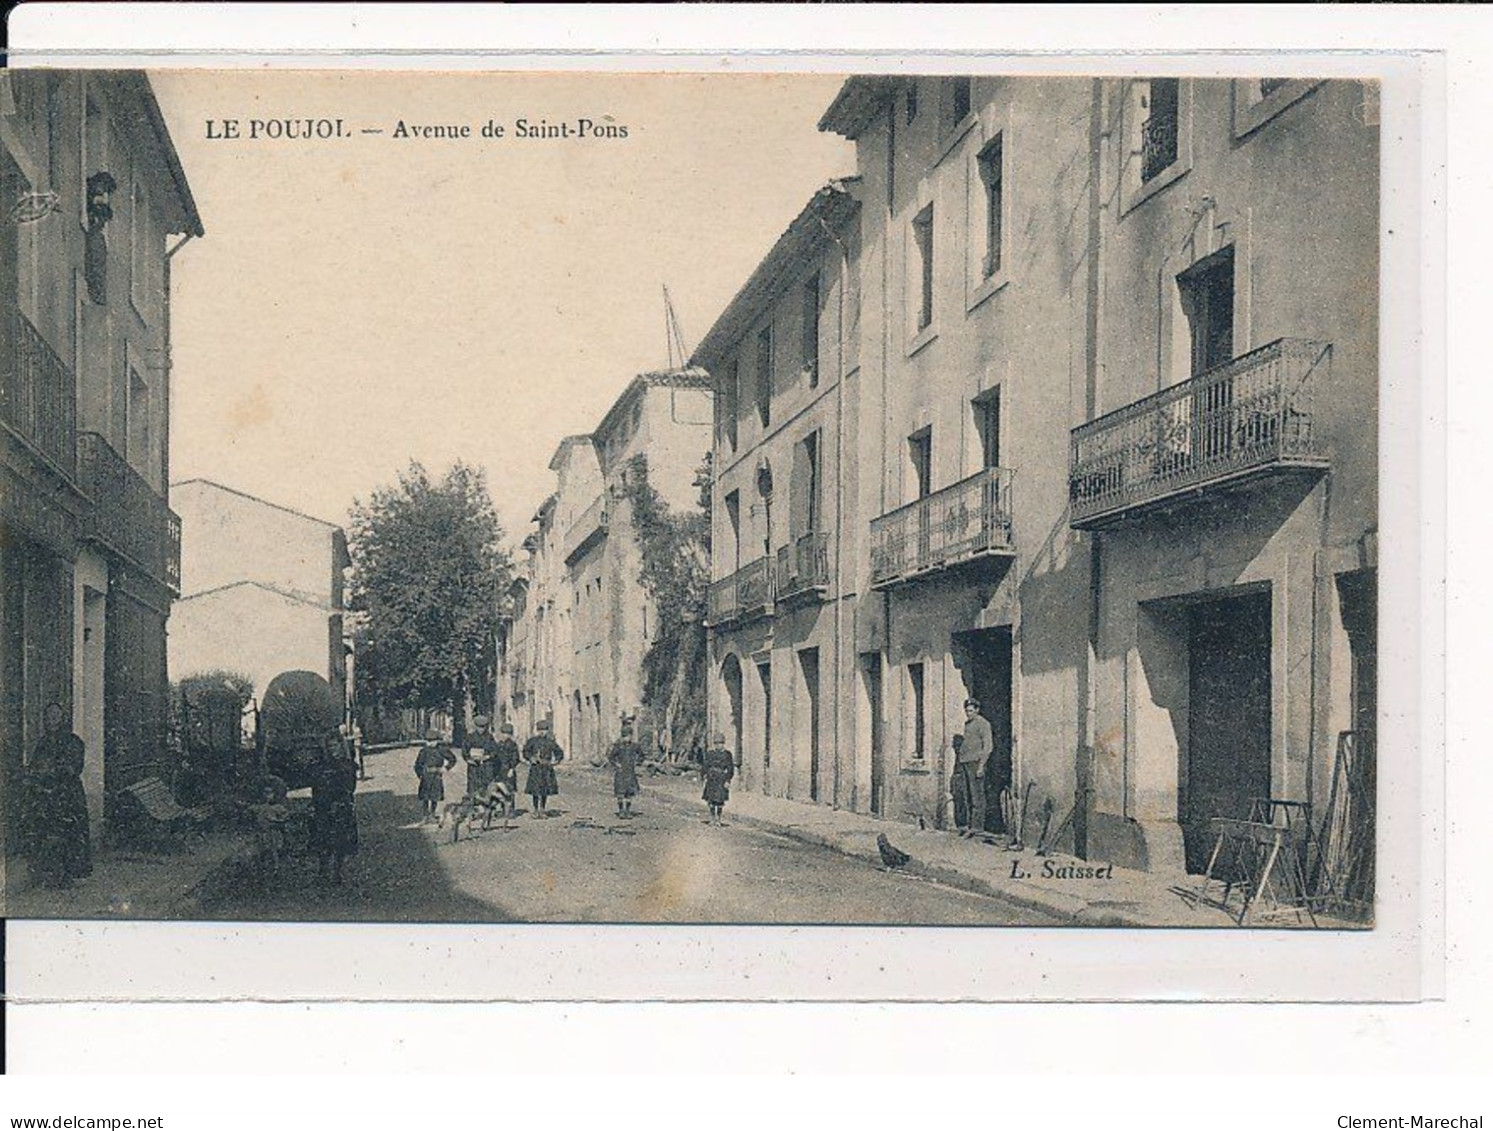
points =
(1157, 131)
(810, 340)
(807, 486)
(1207, 295)
(1256, 101)
(910, 107)
(95, 157)
(988, 426)
(140, 257)
(1159, 128)
(920, 451)
(138, 425)
(992, 178)
(959, 100)
(919, 712)
(731, 402)
(922, 239)
(733, 517)
(764, 375)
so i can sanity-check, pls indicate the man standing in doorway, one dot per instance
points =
(968, 785)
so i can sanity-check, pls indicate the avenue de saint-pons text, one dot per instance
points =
(329, 129)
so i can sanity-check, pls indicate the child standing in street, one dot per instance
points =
(505, 760)
(623, 758)
(542, 753)
(717, 767)
(431, 764)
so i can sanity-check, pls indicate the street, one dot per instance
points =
(584, 865)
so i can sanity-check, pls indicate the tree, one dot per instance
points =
(429, 572)
(676, 574)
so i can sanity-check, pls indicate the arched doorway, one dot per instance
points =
(731, 677)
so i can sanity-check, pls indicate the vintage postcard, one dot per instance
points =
(895, 498)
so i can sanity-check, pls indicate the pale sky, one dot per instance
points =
(357, 302)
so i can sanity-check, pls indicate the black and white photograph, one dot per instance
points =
(861, 499)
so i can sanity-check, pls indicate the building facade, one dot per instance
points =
(262, 589)
(780, 609)
(1106, 455)
(581, 621)
(90, 553)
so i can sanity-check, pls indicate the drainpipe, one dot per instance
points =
(166, 366)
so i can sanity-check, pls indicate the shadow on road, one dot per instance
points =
(396, 876)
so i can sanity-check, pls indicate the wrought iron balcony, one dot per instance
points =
(966, 522)
(1158, 143)
(803, 568)
(747, 593)
(587, 529)
(38, 395)
(128, 517)
(1250, 416)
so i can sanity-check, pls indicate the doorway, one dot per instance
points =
(1228, 699)
(808, 660)
(764, 673)
(985, 659)
(731, 677)
(871, 678)
(89, 722)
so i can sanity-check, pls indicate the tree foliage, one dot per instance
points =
(429, 573)
(675, 573)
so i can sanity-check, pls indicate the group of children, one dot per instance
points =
(492, 767)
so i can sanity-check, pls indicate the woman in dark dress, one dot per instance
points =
(57, 809)
(334, 819)
(542, 753)
(624, 758)
(717, 767)
(431, 764)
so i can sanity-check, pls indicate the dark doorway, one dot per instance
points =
(871, 673)
(808, 659)
(731, 677)
(986, 666)
(764, 673)
(1228, 755)
(1358, 598)
(1207, 292)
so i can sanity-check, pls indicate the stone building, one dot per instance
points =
(1108, 454)
(262, 589)
(780, 608)
(580, 620)
(92, 189)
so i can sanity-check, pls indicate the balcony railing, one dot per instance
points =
(1253, 414)
(128, 516)
(749, 592)
(587, 528)
(803, 567)
(965, 522)
(38, 395)
(1158, 143)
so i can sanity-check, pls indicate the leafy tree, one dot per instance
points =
(429, 574)
(676, 574)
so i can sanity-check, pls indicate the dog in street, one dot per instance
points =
(456, 814)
